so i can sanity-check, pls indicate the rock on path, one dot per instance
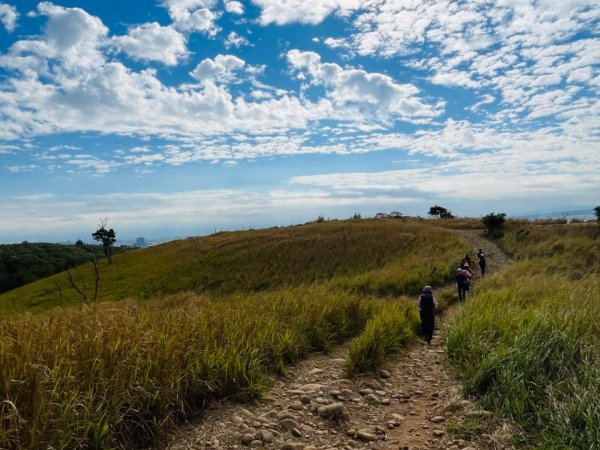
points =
(405, 407)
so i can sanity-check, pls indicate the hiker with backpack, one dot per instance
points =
(481, 261)
(427, 306)
(463, 281)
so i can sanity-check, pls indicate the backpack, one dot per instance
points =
(465, 278)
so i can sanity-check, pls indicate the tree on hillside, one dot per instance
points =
(440, 213)
(494, 223)
(107, 237)
(597, 212)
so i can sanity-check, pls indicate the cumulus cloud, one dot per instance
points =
(234, 7)
(153, 42)
(373, 96)
(71, 35)
(70, 73)
(8, 16)
(222, 69)
(193, 15)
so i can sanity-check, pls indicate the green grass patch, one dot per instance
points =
(386, 332)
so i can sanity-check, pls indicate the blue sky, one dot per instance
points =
(182, 117)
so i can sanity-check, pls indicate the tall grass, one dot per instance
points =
(386, 332)
(127, 372)
(527, 342)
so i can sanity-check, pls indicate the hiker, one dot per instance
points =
(481, 261)
(427, 306)
(463, 281)
(467, 260)
(466, 265)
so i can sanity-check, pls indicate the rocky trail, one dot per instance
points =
(413, 403)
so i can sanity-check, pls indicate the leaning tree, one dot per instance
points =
(440, 212)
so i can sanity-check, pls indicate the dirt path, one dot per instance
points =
(408, 406)
(496, 259)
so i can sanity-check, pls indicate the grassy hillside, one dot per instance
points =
(369, 256)
(239, 308)
(527, 344)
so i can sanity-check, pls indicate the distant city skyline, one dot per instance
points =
(182, 117)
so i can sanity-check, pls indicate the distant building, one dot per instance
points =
(140, 243)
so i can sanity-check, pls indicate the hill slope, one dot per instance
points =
(365, 255)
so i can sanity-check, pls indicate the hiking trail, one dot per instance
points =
(408, 405)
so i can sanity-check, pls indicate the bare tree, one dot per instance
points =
(73, 284)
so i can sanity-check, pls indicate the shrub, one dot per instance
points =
(494, 223)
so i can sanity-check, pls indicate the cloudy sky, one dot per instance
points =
(182, 117)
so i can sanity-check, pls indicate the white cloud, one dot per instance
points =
(481, 163)
(454, 78)
(234, 7)
(235, 40)
(153, 42)
(221, 69)
(92, 164)
(8, 16)
(581, 75)
(72, 36)
(23, 168)
(335, 43)
(370, 96)
(303, 11)
(517, 48)
(193, 15)
(145, 159)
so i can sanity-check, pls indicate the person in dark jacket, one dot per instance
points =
(427, 306)
(481, 261)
